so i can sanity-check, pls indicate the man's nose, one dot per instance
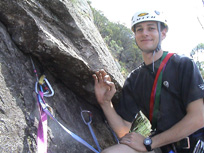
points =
(145, 32)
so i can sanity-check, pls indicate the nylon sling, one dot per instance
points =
(44, 111)
(156, 90)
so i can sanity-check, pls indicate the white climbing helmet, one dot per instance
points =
(142, 16)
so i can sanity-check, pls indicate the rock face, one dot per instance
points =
(65, 45)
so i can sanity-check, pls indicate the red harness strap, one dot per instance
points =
(152, 98)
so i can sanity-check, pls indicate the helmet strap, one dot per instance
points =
(159, 43)
(153, 61)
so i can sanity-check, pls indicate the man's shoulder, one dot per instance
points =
(133, 75)
(136, 70)
(180, 58)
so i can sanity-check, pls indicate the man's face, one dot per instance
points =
(147, 36)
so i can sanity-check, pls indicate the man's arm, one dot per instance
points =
(104, 91)
(193, 121)
(119, 125)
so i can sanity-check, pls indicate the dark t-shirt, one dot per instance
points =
(181, 84)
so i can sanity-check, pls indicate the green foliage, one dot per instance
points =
(74, 1)
(123, 70)
(195, 54)
(197, 49)
(120, 41)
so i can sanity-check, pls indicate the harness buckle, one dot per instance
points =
(183, 144)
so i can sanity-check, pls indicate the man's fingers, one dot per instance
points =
(99, 76)
(103, 72)
(107, 78)
(111, 86)
(102, 77)
(95, 78)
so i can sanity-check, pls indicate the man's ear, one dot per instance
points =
(163, 33)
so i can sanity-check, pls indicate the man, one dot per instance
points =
(179, 118)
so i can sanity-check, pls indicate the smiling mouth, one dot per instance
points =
(145, 40)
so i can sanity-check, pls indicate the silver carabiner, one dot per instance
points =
(199, 148)
(90, 128)
(50, 87)
(46, 94)
(83, 118)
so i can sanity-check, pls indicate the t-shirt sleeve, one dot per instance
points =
(127, 107)
(192, 85)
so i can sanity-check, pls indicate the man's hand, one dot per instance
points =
(104, 88)
(135, 141)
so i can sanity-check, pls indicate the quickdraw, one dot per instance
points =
(88, 123)
(43, 88)
(44, 85)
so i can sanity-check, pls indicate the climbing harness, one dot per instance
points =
(44, 89)
(88, 123)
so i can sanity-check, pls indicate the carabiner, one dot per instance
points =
(41, 82)
(50, 87)
(83, 118)
(199, 148)
(88, 123)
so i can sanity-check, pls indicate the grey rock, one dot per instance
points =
(65, 45)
